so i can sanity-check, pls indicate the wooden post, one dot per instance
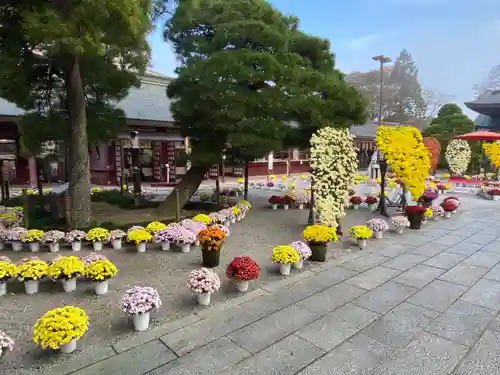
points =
(3, 187)
(177, 205)
(245, 191)
(6, 187)
(67, 209)
(121, 185)
(136, 170)
(217, 186)
(26, 208)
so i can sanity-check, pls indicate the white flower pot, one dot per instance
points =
(379, 235)
(286, 206)
(3, 288)
(400, 230)
(355, 206)
(435, 217)
(17, 246)
(141, 247)
(165, 246)
(274, 206)
(31, 287)
(233, 220)
(447, 215)
(101, 287)
(454, 211)
(362, 243)
(227, 223)
(299, 264)
(34, 247)
(69, 285)
(141, 322)
(300, 206)
(197, 243)
(372, 207)
(496, 197)
(69, 347)
(285, 269)
(242, 285)
(2, 246)
(117, 244)
(76, 246)
(54, 247)
(185, 248)
(97, 245)
(203, 299)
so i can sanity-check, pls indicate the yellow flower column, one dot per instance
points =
(334, 164)
(492, 151)
(406, 155)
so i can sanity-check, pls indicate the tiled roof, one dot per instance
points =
(369, 129)
(489, 97)
(149, 102)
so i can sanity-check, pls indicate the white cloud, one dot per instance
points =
(363, 41)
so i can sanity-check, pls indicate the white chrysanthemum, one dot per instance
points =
(458, 155)
(334, 164)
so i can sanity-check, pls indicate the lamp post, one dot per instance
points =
(381, 59)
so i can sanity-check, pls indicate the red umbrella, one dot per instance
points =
(480, 136)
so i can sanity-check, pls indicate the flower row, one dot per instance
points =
(182, 234)
(288, 200)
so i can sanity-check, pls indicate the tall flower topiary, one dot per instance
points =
(406, 155)
(492, 151)
(434, 147)
(334, 164)
(458, 155)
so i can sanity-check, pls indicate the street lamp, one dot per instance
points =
(381, 59)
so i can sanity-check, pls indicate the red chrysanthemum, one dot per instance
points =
(243, 269)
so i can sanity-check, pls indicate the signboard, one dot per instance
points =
(7, 149)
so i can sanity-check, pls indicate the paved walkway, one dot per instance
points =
(427, 303)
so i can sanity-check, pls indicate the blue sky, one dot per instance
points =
(453, 42)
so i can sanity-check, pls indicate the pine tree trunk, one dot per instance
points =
(187, 187)
(79, 165)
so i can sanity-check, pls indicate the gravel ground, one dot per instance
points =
(255, 236)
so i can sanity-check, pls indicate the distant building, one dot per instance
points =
(488, 108)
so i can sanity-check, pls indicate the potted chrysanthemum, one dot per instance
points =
(52, 238)
(31, 272)
(211, 241)
(7, 272)
(285, 256)
(301, 201)
(140, 237)
(304, 252)
(449, 207)
(378, 227)
(32, 237)
(139, 302)
(60, 328)
(100, 271)
(223, 228)
(164, 238)
(371, 201)
(116, 237)
(75, 238)
(155, 226)
(13, 236)
(6, 344)
(274, 201)
(67, 269)
(400, 223)
(437, 211)
(236, 212)
(244, 207)
(181, 237)
(361, 233)
(415, 215)
(355, 202)
(203, 283)
(92, 257)
(427, 215)
(242, 270)
(97, 236)
(194, 226)
(205, 219)
(318, 237)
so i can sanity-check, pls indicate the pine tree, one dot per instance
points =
(408, 101)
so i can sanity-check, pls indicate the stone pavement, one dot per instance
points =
(425, 303)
